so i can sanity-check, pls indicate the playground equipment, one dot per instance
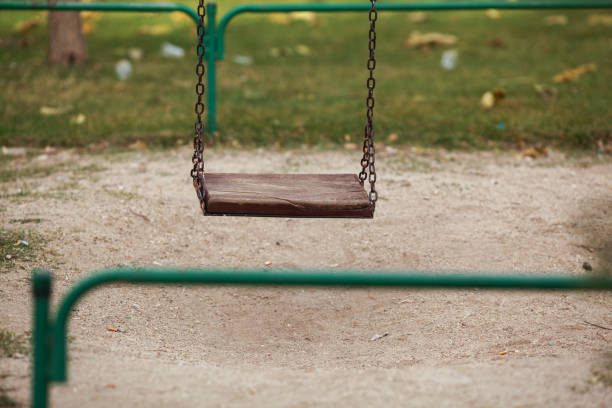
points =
(215, 33)
(291, 195)
(50, 353)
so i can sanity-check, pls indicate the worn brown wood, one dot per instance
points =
(286, 195)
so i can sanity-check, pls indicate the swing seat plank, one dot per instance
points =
(286, 195)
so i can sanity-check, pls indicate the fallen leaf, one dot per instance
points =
(535, 152)
(604, 19)
(78, 119)
(137, 145)
(417, 17)
(306, 16)
(572, 75)
(113, 329)
(545, 91)
(111, 386)
(280, 18)
(503, 353)
(490, 98)
(180, 17)
(87, 27)
(422, 40)
(51, 111)
(24, 27)
(347, 137)
(487, 100)
(556, 20)
(496, 43)
(303, 50)
(493, 14)
(156, 30)
(268, 263)
(392, 138)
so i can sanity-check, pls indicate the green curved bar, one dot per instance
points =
(134, 7)
(365, 6)
(298, 278)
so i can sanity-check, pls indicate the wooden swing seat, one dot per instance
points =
(286, 195)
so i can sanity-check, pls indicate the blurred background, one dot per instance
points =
(490, 79)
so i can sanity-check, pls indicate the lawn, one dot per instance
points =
(304, 81)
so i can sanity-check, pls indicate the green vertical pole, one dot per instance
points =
(211, 55)
(40, 364)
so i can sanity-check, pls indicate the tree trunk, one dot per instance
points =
(66, 40)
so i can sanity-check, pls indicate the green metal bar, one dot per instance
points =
(41, 286)
(384, 6)
(297, 278)
(211, 65)
(125, 7)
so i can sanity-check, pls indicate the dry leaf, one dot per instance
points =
(78, 119)
(392, 138)
(545, 91)
(280, 18)
(572, 75)
(604, 19)
(303, 50)
(421, 40)
(535, 152)
(490, 98)
(179, 17)
(496, 43)
(24, 27)
(113, 329)
(493, 14)
(87, 27)
(347, 137)
(306, 16)
(158, 29)
(51, 111)
(556, 20)
(503, 353)
(417, 17)
(137, 145)
(487, 100)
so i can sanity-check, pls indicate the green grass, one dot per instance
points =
(317, 99)
(13, 247)
(11, 344)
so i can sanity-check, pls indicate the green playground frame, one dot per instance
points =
(215, 32)
(49, 334)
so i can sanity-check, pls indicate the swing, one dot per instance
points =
(287, 195)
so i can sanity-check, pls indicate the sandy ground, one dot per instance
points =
(226, 346)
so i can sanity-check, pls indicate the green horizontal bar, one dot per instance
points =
(132, 7)
(384, 6)
(300, 278)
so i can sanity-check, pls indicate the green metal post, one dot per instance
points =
(211, 56)
(40, 338)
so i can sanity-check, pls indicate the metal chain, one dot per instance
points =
(197, 173)
(368, 168)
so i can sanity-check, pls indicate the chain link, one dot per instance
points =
(197, 173)
(368, 167)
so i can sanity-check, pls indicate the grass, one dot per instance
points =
(19, 246)
(12, 344)
(316, 99)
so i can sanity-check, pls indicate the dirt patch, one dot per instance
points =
(305, 347)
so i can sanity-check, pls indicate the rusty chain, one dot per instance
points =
(197, 173)
(368, 167)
